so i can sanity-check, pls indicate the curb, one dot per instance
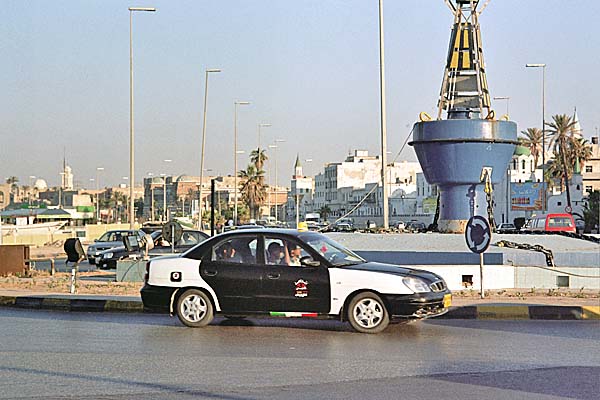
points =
(510, 312)
(482, 312)
(65, 304)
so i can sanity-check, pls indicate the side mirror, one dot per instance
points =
(95, 240)
(307, 261)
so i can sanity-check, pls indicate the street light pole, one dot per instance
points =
(261, 125)
(207, 71)
(131, 131)
(507, 98)
(275, 146)
(98, 169)
(164, 216)
(235, 153)
(543, 67)
(383, 120)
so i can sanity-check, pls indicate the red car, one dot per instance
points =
(551, 223)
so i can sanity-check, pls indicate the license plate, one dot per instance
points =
(447, 300)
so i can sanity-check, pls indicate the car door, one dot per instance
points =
(293, 288)
(236, 280)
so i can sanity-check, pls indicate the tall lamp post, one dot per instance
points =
(275, 146)
(98, 169)
(385, 209)
(235, 153)
(164, 216)
(131, 135)
(207, 71)
(507, 98)
(261, 125)
(543, 67)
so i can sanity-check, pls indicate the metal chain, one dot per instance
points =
(532, 247)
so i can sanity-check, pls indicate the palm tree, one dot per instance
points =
(252, 189)
(561, 131)
(324, 212)
(580, 150)
(533, 140)
(258, 158)
(12, 181)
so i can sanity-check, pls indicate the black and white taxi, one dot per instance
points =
(287, 273)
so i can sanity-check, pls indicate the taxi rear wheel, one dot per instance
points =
(367, 313)
(194, 308)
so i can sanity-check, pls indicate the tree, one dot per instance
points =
(590, 212)
(324, 212)
(258, 158)
(533, 140)
(252, 188)
(580, 150)
(561, 131)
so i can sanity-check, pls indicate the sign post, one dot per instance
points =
(478, 236)
(172, 231)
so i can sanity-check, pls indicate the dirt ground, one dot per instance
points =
(98, 282)
(42, 282)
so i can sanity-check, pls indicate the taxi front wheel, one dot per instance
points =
(194, 308)
(367, 313)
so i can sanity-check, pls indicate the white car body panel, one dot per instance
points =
(160, 274)
(344, 281)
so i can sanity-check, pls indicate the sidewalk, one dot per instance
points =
(545, 308)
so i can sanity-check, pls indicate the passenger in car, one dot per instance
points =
(228, 253)
(292, 253)
(275, 254)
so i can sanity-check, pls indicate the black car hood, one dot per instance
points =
(394, 270)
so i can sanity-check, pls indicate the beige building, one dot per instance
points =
(591, 168)
(4, 195)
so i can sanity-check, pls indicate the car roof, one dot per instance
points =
(266, 231)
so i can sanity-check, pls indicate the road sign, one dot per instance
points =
(568, 209)
(478, 234)
(172, 232)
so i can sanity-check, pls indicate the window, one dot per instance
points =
(239, 249)
(286, 252)
(523, 164)
(588, 189)
(588, 168)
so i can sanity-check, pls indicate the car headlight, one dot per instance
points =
(107, 255)
(416, 285)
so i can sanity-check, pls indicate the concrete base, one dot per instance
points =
(131, 270)
(452, 225)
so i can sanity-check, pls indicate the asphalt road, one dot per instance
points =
(55, 355)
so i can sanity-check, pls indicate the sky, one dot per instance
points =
(310, 68)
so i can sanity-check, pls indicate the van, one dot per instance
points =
(550, 223)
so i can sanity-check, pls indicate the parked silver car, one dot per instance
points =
(109, 240)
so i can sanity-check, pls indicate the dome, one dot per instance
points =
(40, 185)
(521, 151)
(187, 178)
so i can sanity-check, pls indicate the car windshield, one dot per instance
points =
(111, 237)
(334, 252)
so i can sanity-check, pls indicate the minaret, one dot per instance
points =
(577, 131)
(298, 168)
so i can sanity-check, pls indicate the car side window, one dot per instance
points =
(286, 252)
(274, 251)
(236, 250)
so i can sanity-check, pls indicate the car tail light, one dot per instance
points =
(147, 274)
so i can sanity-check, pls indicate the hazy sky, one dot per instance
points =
(309, 67)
